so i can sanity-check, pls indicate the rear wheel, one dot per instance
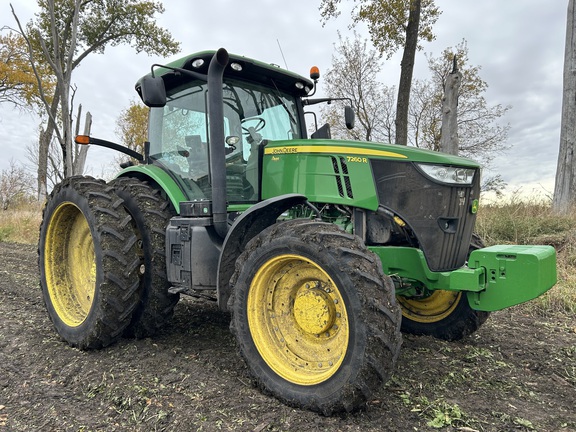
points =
(150, 216)
(442, 314)
(314, 316)
(88, 263)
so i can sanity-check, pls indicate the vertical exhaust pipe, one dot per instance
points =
(217, 149)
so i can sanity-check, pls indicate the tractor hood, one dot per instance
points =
(368, 150)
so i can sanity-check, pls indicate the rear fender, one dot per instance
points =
(161, 178)
(245, 227)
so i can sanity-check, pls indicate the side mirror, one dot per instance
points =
(152, 91)
(349, 117)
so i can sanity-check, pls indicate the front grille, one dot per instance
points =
(438, 214)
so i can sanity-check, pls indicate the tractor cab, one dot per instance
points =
(253, 112)
(260, 103)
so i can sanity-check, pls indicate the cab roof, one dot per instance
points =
(239, 67)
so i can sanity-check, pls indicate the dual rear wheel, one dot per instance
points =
(101, 270)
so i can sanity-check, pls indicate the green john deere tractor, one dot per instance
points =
(323, 251)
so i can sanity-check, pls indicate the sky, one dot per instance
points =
(519, 45)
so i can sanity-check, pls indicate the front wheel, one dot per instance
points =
(314, 316)
(442, 314)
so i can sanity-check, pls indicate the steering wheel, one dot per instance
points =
(251, 132)
(258, 126)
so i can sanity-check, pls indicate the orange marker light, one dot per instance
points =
(82, 139)
(314, 73)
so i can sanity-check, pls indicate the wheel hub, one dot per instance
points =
(431, 309)
(298, 319)
(314, 311)
(70, 264)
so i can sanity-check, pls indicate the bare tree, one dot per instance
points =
(354, 76)
(63, 34)
(393, 24)
(565, 189)
(480, 134)
(81, 151)
(54, 165)
(15, 184)
(449, 134)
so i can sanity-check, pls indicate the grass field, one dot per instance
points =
(533, 222)
(20, 225)
(515, 221)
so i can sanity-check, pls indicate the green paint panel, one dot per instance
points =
(330, 177)
(336, 171)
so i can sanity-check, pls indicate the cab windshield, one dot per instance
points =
(179, 138)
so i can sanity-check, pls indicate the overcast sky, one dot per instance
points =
(519, 45)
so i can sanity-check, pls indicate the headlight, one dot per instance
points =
(448, 174)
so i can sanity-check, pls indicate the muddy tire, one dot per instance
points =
(443, 314)
(88, 263)
(314, 316)
(150, 215)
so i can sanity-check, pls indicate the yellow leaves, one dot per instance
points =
(16, 77)
(18, 84)
(131, 126)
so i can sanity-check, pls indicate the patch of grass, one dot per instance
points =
(524, 221)
(21, 224)
(518, 221)
(5, 233)
(438, 412)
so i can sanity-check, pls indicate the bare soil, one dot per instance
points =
(518, 372)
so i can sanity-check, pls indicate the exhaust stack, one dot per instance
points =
(217, 149)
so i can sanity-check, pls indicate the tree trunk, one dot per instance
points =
(44, 148)
(565, 189)
(82, 150)
(406, 70)
(449, 135)
(42, 171)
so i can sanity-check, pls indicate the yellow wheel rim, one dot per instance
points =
(70, 264)
(433, 308)
(298, 319)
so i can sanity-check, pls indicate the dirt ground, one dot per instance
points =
(517, 372)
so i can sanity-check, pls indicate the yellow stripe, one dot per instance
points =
(331, 150)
